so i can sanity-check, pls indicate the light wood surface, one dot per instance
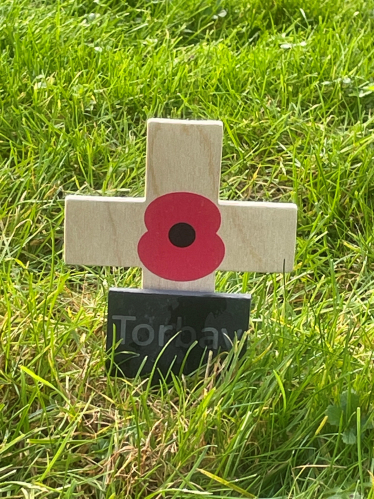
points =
(103, 231)
(152, 281)
(182, 156)
(258, 237)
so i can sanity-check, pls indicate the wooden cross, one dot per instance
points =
(181, 220)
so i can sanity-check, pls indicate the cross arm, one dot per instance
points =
(103, 231)
(258, 236)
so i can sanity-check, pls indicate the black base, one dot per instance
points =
(174, 329)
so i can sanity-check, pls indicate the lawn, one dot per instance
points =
(293, 83)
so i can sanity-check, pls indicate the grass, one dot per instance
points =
(293, 83)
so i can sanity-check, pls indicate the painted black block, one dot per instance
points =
(173, 328)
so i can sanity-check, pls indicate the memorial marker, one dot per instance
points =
(180, 233)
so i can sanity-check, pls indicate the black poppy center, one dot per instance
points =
(182, 235)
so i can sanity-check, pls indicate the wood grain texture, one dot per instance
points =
(258, 237)
(152, 281)
(103, 231)
(183, 156)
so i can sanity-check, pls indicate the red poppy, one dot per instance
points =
(182, 242)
